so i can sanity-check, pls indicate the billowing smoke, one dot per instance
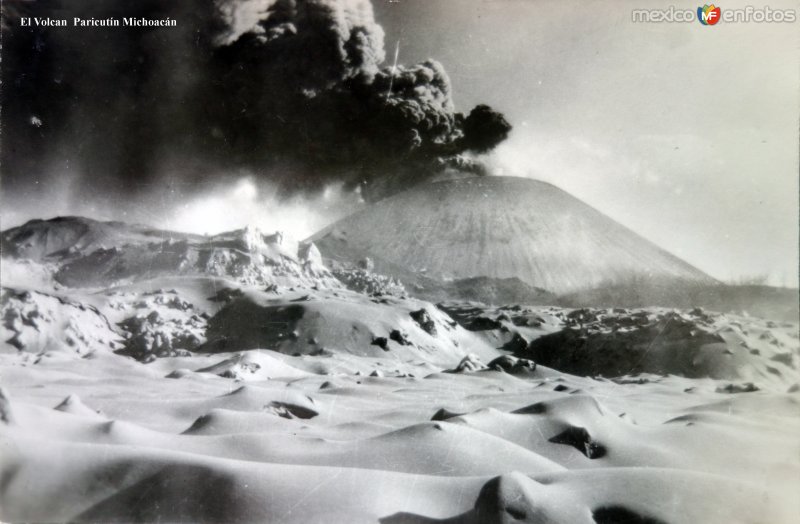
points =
(299, 92)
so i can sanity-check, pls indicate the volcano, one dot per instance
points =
(501, 228)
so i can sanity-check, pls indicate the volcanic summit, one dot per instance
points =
(501, 227)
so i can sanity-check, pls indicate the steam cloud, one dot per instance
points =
(297, 91)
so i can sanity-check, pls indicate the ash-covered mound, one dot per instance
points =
(499, 228)
(87, 253)
(66, 237)
(327, 322)
(692, 344)
(619, 342)
(39, 323)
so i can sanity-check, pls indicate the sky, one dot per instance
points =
(687, 134)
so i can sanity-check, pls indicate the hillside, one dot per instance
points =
(81, 252)
(500, 227)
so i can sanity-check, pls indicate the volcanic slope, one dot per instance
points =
(500, 227)
(79, 252)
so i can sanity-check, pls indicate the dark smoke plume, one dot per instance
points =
(295, 90)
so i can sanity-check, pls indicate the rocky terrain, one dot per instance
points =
(84, 253)
(155, 376)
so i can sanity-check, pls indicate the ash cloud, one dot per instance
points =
(299, 92)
